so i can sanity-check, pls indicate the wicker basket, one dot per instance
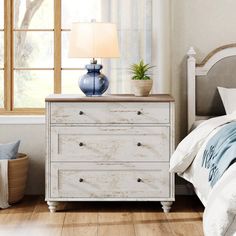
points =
(17, 177)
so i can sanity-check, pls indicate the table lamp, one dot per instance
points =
(93, 40)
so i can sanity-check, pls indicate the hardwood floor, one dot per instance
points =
(31, 218)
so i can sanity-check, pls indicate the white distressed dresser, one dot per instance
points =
(109, 148)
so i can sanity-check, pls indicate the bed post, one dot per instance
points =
(191, 91)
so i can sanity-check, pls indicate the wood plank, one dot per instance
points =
(31, 217)
(109, 98)
(13, 221)
(185, 217)
(33, 30)
(8, 55)
(151, 224)
(44, 223)
(80, 223)
(115, 224)
(182, 223)
(23, 111)
(33, 68)
(57, 46)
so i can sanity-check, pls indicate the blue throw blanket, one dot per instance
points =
(220, 152)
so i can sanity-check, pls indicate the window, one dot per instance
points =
(34, 43)
(75, 10)
(33, 47)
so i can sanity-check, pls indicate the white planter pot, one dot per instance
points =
(141, 88)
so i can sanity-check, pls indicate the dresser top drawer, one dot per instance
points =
(110, 113)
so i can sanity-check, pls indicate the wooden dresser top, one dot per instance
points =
(109, 98)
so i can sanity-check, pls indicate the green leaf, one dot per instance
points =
(140, 71)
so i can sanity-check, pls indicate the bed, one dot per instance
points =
(207, 155)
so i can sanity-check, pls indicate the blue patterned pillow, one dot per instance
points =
(9, 150)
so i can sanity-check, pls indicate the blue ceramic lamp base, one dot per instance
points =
(94, 83)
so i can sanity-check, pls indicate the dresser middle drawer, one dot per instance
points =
(89, 144)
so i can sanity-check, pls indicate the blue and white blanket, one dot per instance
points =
(220, 152)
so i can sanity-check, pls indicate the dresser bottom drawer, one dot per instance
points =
(135, 181)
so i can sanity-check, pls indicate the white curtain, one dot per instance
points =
(134, 22)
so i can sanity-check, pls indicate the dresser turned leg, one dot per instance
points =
(166, 206)
(52, 206)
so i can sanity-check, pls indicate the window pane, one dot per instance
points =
(134, 23)
(35, 14)
(70, 79)
(80, 10)
(33, 49)
(1, 88)
(31, 88)
(1, 14)
(1, 49)
(70, 62)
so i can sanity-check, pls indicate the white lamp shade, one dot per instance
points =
(93, 40)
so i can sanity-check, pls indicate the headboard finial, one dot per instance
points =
(191, 52)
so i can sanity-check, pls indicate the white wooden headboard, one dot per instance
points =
(202, 69)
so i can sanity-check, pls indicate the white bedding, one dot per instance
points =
(219, 217)
(220, 201)
(196, 124)
(197, 175)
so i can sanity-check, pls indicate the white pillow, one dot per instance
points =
(228, 97)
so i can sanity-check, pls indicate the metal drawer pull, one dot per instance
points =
(81, 180)
(81, 144)
(139, 113)
(139, 180)
(81, 112)
(139, 144)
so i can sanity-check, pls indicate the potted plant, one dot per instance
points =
(141, 81)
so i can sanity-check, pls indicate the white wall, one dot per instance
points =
(32, 143)
(206, 25)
